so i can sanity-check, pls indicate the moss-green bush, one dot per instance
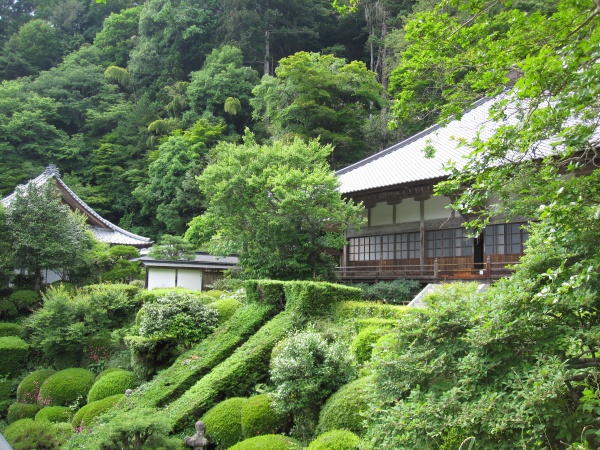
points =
(362, 345)
(128, 289)
(268, 442)
(313, 299)
(18, 411)
(8, 310)
(28, 434)
(361, 324)
(87, 413)
(151, 354)
(107, 371)
(13, 354)
(342, 409)
(268, 292)
(66, 387)
(214, 294)
(4, 405)
(54, 414)
(235, 376)
(6, 389)
(224, 422)
(394, 292)
(226, 308)
(9, 329)
(111, 384)
(151, 296)
(26, 300)
(260, 418)
(367, 310)
(29, 388)
(336, 440)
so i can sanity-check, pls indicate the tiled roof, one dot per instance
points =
(405, 162)
(108, 233)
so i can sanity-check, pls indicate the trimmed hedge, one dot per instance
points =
(342, 409)
(54, 414)
(26, 300)
(226, 308)
(27, 434)
(9, 329)
(13, 354)
(151, 296)
(18, 411)
(336, 440)
(367, 310)
(313, 299)
(268, 442)
(392, 292)
(361, 324)
(235, 376)
(224, 422)
(269, 292)
(66, 387)
(362, 345)
(87, 413)
(29, 388)
(107, 371)
(112, 384)
(260, 418)
(129, 289)
(150, 354)
(6, 389)
(8, 310)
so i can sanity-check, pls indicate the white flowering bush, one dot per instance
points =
(178, 315)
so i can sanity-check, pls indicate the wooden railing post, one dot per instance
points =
(488, 266)
(436, 267)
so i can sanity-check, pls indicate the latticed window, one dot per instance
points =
(366, 248)
(448, 243)
(505, 239)
(387, 247)
(408, 246)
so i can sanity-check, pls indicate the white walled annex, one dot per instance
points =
(160, 278)
(189, 279)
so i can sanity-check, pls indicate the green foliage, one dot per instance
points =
(13, 354)
(277, 207)
(9, 329)
(362, 345)
(367, 310)
(18, 411)
(259, 417)
(343, 409)
(7, 389)
(269, 292)
(314, 299)
(29, 388)
(226, 308)
(107, 371)
(149, 355)
(270, 441)
(235, 376)
(84, 416)
(111, 384)
(8, 310)
(26, 301)
(66, 387)
(224, 422)
(27, 434)
(335, 440)
(394, 292)
(54, 414)
(172, 248)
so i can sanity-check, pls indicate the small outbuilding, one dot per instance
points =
(198, 274)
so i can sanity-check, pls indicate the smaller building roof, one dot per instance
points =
(202, 260)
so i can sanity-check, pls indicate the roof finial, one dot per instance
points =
(52, 170)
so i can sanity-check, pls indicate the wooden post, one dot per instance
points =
(436, 268)
(488, 266)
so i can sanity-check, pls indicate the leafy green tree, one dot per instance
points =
(172, 248)
(320, 95)
(117, 37)
(5, 245)
(277, 207)
(44, 233)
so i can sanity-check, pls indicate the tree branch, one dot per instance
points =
(475, 16)
(586, 21)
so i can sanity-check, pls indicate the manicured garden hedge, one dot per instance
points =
(13, 353)
(268, 442)
(6, 389)
(54, 414)
(226, 307)
(368, 310)
(314, 299)
(224, 422)
(260, 418)
(66, 387)
(27, 434)
(26, 301)
(18, 411)
(9, 329)
(113, 383)
(335, 440)
(87, 413)
(29, 388)
(107, 371)
(269, 292)
(362, 345)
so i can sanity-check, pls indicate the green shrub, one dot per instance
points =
(268, 442)
(342, 409)
(229, 284)
(84, 416)
(129, 290)
(26, 300)
(368, 310)
(111, 384)
(146, 296)
(9, 329)
(226, 308)
(260, 418)
(361, 324)
(224, 422)
(107, 371)
(29, 388)
(313, 299)
(215, 294)
(235, 376)
(54, 414)
(6, 389)
(13, 354)
(269, 292)
(394, 292)
(8, 310)
(336, 440)
(27, 434)
(4, 405)
(66, 387)
(362, 345)
(149, 355)
(18, 411)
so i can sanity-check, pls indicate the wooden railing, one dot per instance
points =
(437, 271)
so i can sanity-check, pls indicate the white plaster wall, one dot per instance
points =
(382, 214)
(408, 211)
(160, 278)
(435, 208)
(190, 279)
(50, 276)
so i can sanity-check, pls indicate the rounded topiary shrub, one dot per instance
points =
(111, 384)
(362, 345)
(29, 388)
(66, 387)
(224, 422)
(107, 371)
(259, 417)
(28, 434)
(335, 440)
(9, 329)
(18, 411)
(6, 389)
(226, 308)
(26, 300)
(342, 409)
(268, 442)
(13, 353)
(86, 414)
(55, 414)
(8, 310)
